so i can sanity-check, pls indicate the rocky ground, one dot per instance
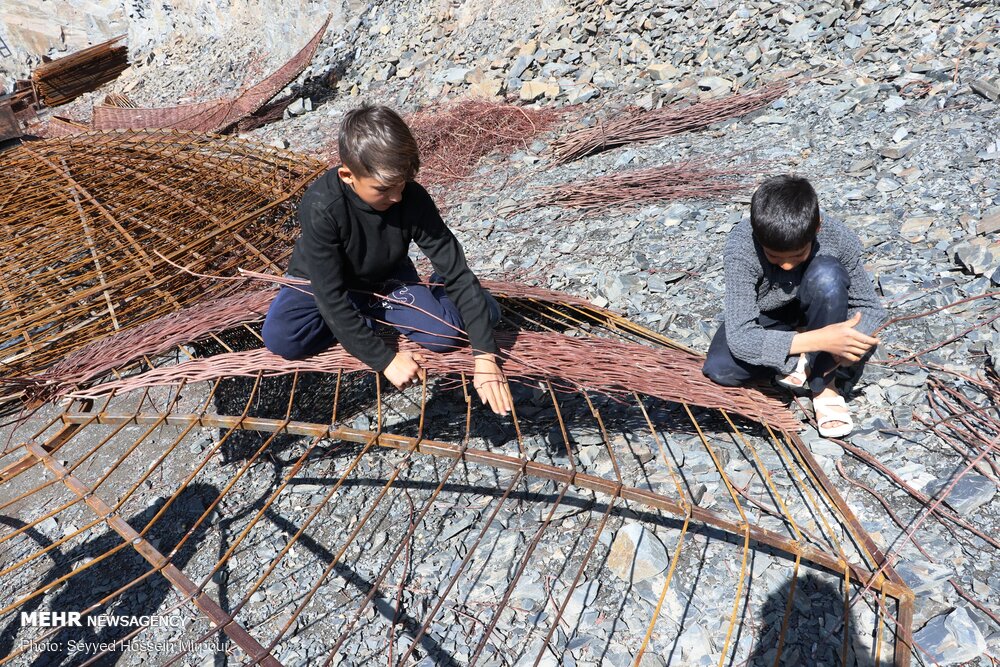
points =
(893, 118)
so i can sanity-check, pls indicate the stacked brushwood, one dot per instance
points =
(453, 137)
(642, 125)
(692, 179)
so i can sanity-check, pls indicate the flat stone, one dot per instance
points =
(662, 71)
(842, 108)
(922, 576)
(455, 75)
(715, 84)
(636, 554)
(886, 184)
(583, 596)
(989, 224)
(951, 639)
(914, 229)
(487, 87)
(799, 32)
(858, 166)
(534, 89)
(970, 493)
(979, 255)
(300, 106)
(581, 93)
(520, 64)
(987, 89)
(897, 152)
(894, 103)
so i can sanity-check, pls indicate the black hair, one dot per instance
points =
(784, 213)
(375, 141)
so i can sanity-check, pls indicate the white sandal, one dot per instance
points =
(832, 409)
(798, 379)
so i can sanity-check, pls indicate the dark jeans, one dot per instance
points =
(822, 300)
(294, 328)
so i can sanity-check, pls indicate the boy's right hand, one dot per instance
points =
(843, 341)
(405, 369)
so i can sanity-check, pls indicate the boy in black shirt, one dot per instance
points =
(357, 221)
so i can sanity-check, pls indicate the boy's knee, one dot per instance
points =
(438, 342)
(284, 348)
(279, 340)
(281, 345)
(826, 275)
(722, 374)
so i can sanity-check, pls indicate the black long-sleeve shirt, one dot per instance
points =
(347, 245)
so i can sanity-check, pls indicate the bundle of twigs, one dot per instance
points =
(195, 323)
(645, 125)
(593, 364)
(693, 179)
(453, 137)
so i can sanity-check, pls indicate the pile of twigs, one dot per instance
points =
(644, 125)
(454, 137)
(693, 179)
(593, 364)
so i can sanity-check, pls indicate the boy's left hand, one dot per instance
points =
(491, 385)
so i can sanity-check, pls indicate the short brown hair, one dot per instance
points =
(375, 141)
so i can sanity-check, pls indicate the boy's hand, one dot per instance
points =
(845, 342)
(491, 385)
(405, 369)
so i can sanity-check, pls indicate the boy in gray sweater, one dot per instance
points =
(799, 302)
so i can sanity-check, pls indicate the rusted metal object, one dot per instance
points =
(214, 115)
(63, 80)
(58, 126)
(10, 128)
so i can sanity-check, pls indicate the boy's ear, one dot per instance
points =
(345, 174)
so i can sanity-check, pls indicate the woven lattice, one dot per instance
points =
(86, 220)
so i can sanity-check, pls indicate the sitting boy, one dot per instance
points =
(357, 222)
(799, 302)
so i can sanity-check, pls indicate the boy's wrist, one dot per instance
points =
(807, 341)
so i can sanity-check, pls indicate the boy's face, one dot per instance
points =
(786, 260)
(372, 191)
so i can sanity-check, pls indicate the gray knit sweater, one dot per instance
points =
(754, 285)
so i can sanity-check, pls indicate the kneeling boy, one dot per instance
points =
(357, 222)
(799, 302)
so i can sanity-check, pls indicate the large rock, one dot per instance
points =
(637, 554)
(923, 576)
(969, 494)
(951, 639)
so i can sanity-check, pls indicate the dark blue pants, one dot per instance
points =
(822, 300)
(294, 328)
